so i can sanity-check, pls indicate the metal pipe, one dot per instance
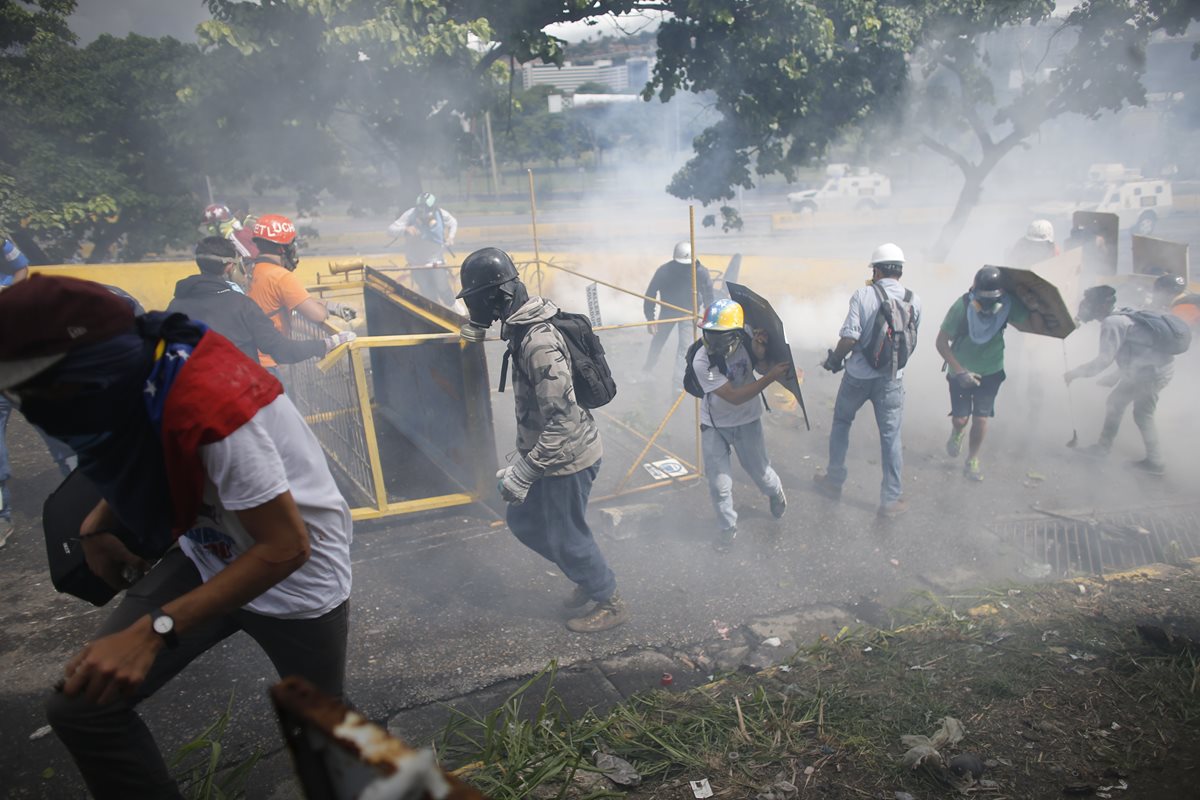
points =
(696, 403)
(663, 303)
(533, 214)
(644, 438)
(661, 426)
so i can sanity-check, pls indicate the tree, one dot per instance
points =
(1099, 69)
(90, 147)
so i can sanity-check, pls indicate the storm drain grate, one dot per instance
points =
(1073, 543)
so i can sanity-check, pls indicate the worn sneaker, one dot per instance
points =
(778, 504)
(954, 443)
(893, 509)
(604, 616)
(972, 469)
(725, 539)
(1155, 468)
(827, 487)
(6, 530)
(578, 598)
(1093, 451)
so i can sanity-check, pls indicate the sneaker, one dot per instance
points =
(954, 443)
(778, 504)
(725, 539)
(604, 616)
(893, 509)
(1149, 467)
(1094, 451)
(972, 469)
(827, 487)
(6, 530)
(578, 598)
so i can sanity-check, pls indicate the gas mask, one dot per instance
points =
(290, 257)
(490, 305)
(721, 344)
(988, 306)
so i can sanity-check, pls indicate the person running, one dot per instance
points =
(201, 461)
(1143, 371)
(428, 231)
(882, 385)
(672, 283)
(731, 412)
(558, 444)
(971, 340)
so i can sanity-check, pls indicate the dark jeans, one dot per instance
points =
(114, 749)
(551, 523)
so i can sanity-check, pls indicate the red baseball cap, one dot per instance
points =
(44, 318)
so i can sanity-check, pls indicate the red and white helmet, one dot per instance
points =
(217, 212)
(275, 228)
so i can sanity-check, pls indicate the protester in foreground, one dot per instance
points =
(274, 284)
(731, 412)
(673, 283)
(874, 364)
(428, 231)
(216, 298)
(188, 440)
(558, 443)
(971, 340)
(1035, 246)
(1144, 368)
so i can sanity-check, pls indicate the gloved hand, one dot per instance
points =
(514, 481)
(966, 380)
(345, 337)
(832, 363)
(342, 310)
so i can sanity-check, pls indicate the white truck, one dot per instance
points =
(1115, 189)
(844, 188)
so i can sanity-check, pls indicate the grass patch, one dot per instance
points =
(1055, 689)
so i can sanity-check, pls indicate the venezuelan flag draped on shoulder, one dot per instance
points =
(201, 388)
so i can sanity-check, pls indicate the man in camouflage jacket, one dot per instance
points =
(558, 444)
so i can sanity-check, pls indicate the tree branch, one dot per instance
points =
(969, 112)
(959, 161)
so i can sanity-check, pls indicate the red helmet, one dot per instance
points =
(275, 228)
(217, 212)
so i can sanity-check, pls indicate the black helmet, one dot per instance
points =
(485, 269)
(426, 201)
(1173, 284)
(989, 284)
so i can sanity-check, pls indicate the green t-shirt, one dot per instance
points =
(986, 358)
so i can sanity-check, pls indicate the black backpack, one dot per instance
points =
(1169, 334)
(893, 333)
(594, 384)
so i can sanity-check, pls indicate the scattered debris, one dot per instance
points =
(39, 733)
(667, 679)
(967, 764)
(616, 769)
(721, 628)
(701, 789)
(773, 641)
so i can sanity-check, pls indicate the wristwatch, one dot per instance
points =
(164, 625)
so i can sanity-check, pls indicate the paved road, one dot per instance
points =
(448, 603)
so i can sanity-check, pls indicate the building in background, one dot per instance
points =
(631, 74)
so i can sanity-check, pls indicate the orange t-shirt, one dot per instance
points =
(1188, 312)
(277, 291)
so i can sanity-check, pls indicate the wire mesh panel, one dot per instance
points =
(330, 403)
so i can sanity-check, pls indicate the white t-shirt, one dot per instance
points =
(245, 470)
(713, 410)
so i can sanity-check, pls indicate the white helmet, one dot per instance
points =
(1040, 230)
(683, 253)
(887, 254)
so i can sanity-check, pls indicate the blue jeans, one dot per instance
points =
(887, 396)
(747, 440)
(551, 523)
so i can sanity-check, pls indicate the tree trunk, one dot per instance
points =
(968, 198)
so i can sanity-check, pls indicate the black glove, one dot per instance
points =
(966, 380)
(833, 363)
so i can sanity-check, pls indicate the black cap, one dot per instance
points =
(1170, 283)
